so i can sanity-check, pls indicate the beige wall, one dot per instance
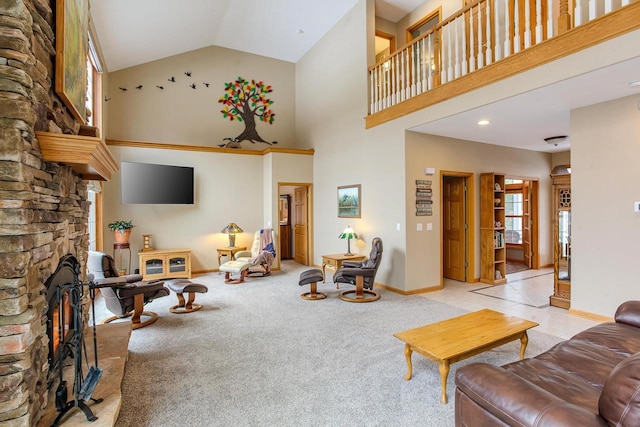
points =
(346, 153)
(605, 231)
(179, 114)
(446, 154)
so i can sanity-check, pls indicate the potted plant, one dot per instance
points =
(121, 230)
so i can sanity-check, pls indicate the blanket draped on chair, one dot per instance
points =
(267, 251)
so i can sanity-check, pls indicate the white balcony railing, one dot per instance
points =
(480, 34)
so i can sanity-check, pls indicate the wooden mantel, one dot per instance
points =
(87, 155)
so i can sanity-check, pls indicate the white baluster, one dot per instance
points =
(401, 82)
(430, 63)
(496, 14)
(449, 53)
(480, 43)
(407, 73)
(415, 85)
(456, 48)
(577, 14)
(396, 79)
(507, 37)
(538, 21)
(593, 10)
(423, 61)
(464, 46)
(371, 93)
(489, 50)
(516, 27)
(387, 78)
(608, 6)
(626, 2)
(549, 19)
(527, 25)
(472, 56)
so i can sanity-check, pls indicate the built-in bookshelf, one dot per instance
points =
(493, 250)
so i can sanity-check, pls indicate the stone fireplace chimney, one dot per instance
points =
(43, 205)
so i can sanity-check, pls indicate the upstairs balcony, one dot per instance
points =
(487, 41)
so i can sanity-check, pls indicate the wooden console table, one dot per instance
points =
(165, 264)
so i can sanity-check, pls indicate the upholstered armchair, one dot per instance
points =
(261, 255)
(124, 295)
(362, 275)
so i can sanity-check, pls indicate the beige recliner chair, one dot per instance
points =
(261, 255)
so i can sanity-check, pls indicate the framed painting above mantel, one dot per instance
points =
(72, 44)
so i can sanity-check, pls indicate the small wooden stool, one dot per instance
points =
(235, 267)
(312, 277)
(180, 286)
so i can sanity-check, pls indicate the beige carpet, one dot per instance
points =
(259, 355)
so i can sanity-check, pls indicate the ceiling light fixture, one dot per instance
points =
(555, 140)
(483, 122)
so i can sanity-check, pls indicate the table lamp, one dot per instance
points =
(348, 234)
(232, 229)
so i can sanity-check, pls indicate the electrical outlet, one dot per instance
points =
(398, 227)
(419, 226)
(429, 226)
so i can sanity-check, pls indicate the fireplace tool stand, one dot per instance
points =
(83, 387)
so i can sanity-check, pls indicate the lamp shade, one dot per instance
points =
(348, 234)
(231, 229)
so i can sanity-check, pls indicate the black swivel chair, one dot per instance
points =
(362, 275)
(124, 295)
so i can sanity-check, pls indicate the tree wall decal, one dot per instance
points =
(243, 101)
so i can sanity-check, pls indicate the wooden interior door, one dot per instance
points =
(454, 228)
(300, 226)
(526, 223)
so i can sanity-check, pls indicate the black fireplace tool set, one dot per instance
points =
(66, 281)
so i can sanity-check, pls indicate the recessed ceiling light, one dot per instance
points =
(634, 83)
(483, 122)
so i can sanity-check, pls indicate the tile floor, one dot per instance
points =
(526, 295)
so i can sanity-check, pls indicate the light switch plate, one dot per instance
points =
(419, 226)
(429, 226)
(636, 206)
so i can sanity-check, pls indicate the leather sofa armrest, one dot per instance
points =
(516, 401)
(629, 313)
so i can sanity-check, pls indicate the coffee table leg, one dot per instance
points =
(444, 373)
(407, 354)
(524, 340)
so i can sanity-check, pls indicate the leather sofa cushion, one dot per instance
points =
(629, 313)
(619, 402)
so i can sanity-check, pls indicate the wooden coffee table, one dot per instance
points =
(452, 340)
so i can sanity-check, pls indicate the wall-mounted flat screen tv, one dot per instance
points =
(146, 183)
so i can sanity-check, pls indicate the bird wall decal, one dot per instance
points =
(172, 79)
(124, 89)
(139, 87)
(192, 85)
(107, 99)
(160, 87)
(206, 84)
(187, 73)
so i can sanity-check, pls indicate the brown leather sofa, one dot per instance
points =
(593, 379)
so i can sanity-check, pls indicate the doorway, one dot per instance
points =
(521, 223)
(295, 227)
(457, 225)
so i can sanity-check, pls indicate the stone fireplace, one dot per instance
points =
(43, 204)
